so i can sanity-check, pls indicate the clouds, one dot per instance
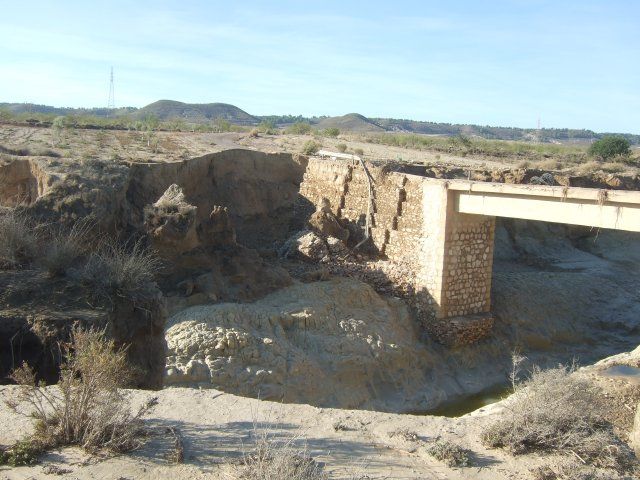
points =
(506, 63)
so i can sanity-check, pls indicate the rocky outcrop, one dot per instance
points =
(305, 245)
(205, 262)
(326, 224)
(339, 333)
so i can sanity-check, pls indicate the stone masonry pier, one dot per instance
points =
(438, 235)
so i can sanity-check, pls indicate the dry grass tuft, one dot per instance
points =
(549, 164)
(86, 408)
(405, 434)
(557, 411)
(120, 270)
(274, 458)
(449, 453)
(65, 246)
(573, 469)
(18, 239)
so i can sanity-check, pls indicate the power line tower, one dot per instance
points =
(112, 101)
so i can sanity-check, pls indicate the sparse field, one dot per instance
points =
(168, 146)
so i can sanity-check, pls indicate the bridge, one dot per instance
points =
(439, 233)
(459, 232)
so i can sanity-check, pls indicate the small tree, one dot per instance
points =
(610, 146)
(150, 123)
(58, 126)
(267, 127)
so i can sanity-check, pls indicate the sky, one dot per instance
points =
(572, 64)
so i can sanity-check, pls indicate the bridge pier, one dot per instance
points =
(456, 265)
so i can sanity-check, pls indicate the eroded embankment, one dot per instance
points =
(557, 293)
(259, 190)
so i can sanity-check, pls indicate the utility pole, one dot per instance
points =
(111, 103)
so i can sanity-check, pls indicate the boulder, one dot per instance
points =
(305, 245)
(325, 223)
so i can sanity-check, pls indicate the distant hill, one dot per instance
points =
(26, 108)
(197, 112)
(351, 122)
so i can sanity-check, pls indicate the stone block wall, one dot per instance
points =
(467, 266)
(396, 213)
(442, 259)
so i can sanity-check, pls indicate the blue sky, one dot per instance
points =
(570, 63)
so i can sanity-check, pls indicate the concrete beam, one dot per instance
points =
(572, 211)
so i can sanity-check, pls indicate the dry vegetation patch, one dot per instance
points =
(86, 408)
(272, 457)
(18, 239)
(557, 410)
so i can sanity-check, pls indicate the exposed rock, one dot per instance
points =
(217, 231)
(205, 261)
(305, 245)
(171, 223)
(325, 223)
(339, 333)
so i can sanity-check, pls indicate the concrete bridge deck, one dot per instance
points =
(614, 209)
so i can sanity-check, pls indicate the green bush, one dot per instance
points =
(310, 147)
(341, 147)
(610, 146)
(331, 132)
(22, 453)
(267, 127)
(299, 128)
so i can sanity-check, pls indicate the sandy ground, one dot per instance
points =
(217, 427)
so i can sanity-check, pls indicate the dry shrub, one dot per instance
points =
(589, 168)
(65, 246)
(18, 239)
(557, 411)
(310, 147)
(86, 407)
(120, 270)
(549, 164)
(341, 147)
(613, 167)
(405, 434)
(274, 458)
(449, 453)
(573, 469)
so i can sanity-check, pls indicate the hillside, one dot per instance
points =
(197, 112)
(351, 122)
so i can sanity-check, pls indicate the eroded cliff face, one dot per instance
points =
(258, 189)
